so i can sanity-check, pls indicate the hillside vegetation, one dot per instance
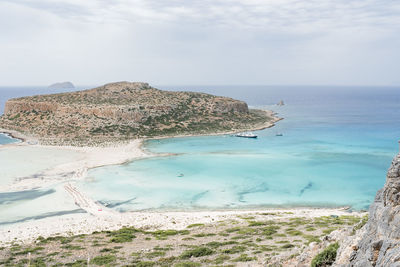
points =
(124, 110)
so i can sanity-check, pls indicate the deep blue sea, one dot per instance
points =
(336, 146)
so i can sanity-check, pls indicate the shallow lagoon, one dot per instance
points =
(18, 162)
(35, 204)
(334, 151)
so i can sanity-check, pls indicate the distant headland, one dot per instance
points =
(127, 110)
(62, 85)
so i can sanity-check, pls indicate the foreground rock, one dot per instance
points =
(125, 110)
(378, 243)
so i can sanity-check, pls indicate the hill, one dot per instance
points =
(125, 110)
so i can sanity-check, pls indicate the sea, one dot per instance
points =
(332, 149)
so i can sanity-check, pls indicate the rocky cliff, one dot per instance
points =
(126, 110)
(378, 243)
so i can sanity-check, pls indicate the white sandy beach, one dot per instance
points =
(60, 163)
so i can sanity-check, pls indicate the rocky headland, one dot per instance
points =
(124, 111)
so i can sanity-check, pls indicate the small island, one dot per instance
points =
(125, 111)
(62, 85)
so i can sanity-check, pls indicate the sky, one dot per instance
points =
(200, 42)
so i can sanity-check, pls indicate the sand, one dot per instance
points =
(74, 168)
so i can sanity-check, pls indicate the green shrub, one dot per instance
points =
(155, 254)
(197, 252)
(187, 264)
(234, 250)
(326, 257)
(270, 230)
(144, 264)
(244, 258)
(255, 223)
(288, 246)
(125, 234)
(163, 234)
(103, 260)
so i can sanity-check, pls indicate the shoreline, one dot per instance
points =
(12, 135)
(98, 156)
(97, 216)
(269, 124)
(31, 140)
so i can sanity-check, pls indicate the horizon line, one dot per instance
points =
(208, 85)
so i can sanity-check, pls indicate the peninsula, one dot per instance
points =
(126, 110)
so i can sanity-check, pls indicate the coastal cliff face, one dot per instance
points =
(126, 110)
(378, 243)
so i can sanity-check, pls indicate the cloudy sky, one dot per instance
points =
(200, 42)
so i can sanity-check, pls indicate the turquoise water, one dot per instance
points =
(335, 150)
(6, 139)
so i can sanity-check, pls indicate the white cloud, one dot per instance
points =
(200, 41)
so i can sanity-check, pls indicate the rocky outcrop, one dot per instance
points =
(126, 110)
(378, 243)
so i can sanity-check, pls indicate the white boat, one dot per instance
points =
(246, 135)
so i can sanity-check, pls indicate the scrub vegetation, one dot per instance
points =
(257, 239)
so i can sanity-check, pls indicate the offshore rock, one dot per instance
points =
(63, 85)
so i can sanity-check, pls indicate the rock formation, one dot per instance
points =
(126, 110)
(63, 85)
(378, 243)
